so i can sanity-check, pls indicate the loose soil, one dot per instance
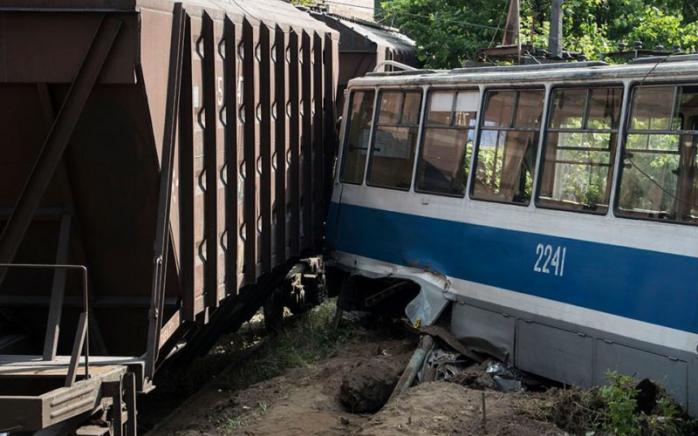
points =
(305, 401)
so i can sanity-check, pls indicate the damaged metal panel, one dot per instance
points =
(496, 328)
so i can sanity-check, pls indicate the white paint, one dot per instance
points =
(550, 260)
(605, 229)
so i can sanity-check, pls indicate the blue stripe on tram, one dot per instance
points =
(650, 286)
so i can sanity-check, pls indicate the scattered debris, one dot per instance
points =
(426, 343)
(504, 378)
(441, 365)
(476, 349)
(465, 397)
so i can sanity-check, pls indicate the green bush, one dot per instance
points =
(619, 398)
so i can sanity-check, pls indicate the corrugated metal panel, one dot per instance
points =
(253, 149)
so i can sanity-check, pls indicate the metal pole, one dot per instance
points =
(161, 243)
(555, 41)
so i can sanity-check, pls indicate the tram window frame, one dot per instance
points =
(680, 135)
(510, 127)
(377, 124)
(584, 128)
(345, 141)
(469, 130)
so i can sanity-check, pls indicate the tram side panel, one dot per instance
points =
(569, 306)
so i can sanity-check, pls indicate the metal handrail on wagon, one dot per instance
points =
(394, 64)
(82, 335)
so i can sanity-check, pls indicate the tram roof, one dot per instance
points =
(651, 70)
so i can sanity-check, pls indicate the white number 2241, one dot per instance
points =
(551, 260)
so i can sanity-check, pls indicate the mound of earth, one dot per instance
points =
(367, 387)
(306, 401)
(441, 408)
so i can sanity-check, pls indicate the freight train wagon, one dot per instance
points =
(163, 166)
(551, 210)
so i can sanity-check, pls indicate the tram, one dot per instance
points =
(550, 210)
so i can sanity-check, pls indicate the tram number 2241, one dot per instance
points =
(550, 260)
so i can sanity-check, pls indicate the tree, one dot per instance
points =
(447, 32)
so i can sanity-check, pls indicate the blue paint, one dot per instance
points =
(650, 286)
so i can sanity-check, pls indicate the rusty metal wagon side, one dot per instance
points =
(179, 156)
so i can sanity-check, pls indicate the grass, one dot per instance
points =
(304, 340)
(231, 424)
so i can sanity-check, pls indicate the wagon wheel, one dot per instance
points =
(316, 289)
(312, 292)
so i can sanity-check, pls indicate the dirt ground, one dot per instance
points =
(304, 401)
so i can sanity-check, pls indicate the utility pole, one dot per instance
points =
(512, 28)
(555, 41)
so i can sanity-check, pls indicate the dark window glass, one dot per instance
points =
(652, 108)
(411, 109)
(529, 109)
(506, 154)
(604, 108)
(390, 106)
(358, 131)
(393, 149)
(499, 108)
(568, 108)
(446, 149)
(440, 109)
(579, 149)
(660, 177)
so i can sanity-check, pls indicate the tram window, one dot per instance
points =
(447, 141)
(506, 154)
(499, 109)
(529, 109)
(660, 169)
(358, 131)
(393, 148)
(579, 149)
(652, 107)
